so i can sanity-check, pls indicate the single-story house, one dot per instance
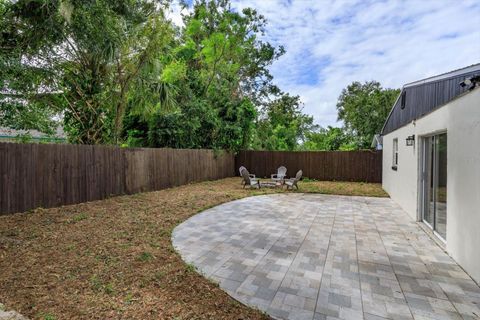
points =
(431, 160)
(12, 135)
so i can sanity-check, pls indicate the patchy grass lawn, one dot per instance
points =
(114, 259)
(343, 188)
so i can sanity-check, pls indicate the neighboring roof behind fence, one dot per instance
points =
(35, 134)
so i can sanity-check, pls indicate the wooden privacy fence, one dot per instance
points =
(365, 166)
(49, 175)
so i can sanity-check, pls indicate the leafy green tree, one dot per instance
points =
(363, 108)
(282, 125)
(329, 139)
(26, 97)
(83, 58)
(224, 77)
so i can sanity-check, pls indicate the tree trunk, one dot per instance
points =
(119, 114)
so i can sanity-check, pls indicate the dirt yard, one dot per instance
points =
(113, 259)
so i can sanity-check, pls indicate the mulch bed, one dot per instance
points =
(113, 259)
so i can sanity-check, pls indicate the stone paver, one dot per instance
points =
(305, 256)
(10, 315)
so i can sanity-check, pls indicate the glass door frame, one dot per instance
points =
(427, 149)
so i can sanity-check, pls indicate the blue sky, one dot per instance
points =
(329, 44)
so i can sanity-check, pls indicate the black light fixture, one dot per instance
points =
(410, 140)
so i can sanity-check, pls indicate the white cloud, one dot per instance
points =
(175, 13)
(332, 43)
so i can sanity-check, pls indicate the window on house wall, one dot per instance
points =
(395, 154)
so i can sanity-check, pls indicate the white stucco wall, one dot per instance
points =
(461, 120)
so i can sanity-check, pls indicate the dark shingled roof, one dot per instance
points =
(424, 96)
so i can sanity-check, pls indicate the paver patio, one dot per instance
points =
(311, 256)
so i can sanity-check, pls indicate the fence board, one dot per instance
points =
(49, 175)
(362, 166)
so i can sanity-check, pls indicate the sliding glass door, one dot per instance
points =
(434, 183)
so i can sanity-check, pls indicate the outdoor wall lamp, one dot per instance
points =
(410, 140)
